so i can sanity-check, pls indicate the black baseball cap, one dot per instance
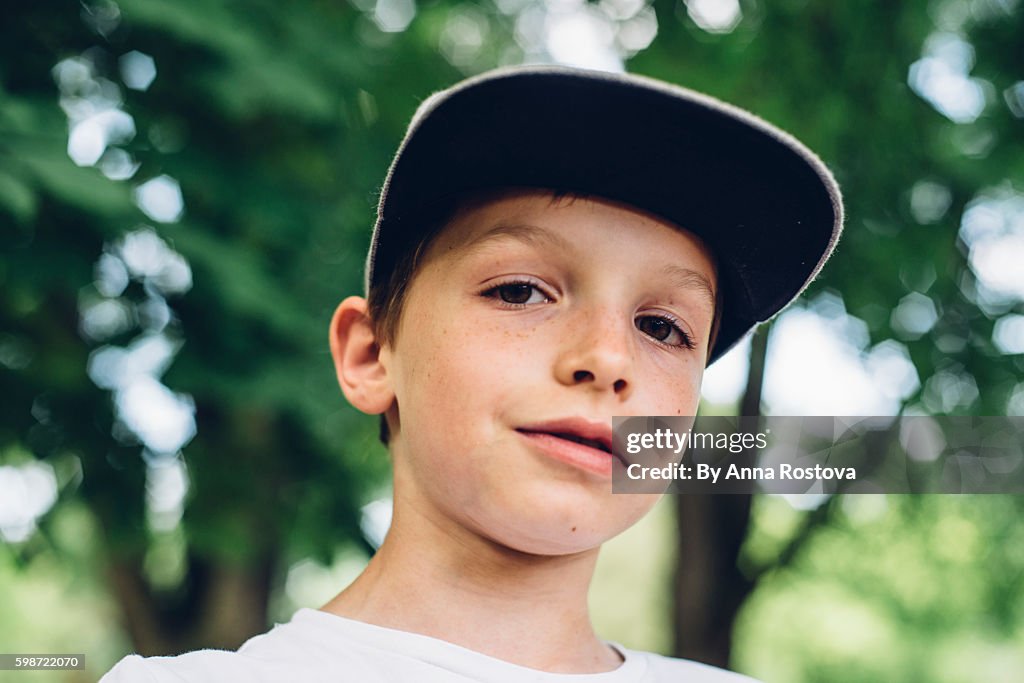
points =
(765, 205)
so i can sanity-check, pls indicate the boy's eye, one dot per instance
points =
(664, 330)
(518, 293)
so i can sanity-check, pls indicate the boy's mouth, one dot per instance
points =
(593, 443)
(596, 435)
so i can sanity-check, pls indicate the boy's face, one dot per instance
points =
(528, 320)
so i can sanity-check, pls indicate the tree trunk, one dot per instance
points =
(218, 606)
(709, 587)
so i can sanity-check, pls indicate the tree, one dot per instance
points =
(277, 160)
(837, 75)
(276, 128)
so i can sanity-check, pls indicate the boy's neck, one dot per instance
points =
(434, 578)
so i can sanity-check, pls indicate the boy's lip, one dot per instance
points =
(595, 435)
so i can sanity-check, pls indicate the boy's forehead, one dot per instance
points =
(567, 224)
(535, 216)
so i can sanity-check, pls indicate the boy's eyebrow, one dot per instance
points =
(523, 232)
(682, 278)
(685, 278)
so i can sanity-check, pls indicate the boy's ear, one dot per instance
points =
(363, 378)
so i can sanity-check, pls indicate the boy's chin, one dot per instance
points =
(548, 546)
(557, 538)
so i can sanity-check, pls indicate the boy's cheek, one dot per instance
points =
(669, 385)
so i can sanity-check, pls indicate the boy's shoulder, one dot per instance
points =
(299, 650)
(315, 646)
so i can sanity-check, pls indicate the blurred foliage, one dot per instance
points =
(278, 124)
(278, 160)
(837, 74)
(895, 588)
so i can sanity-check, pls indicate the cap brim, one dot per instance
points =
(765, 205)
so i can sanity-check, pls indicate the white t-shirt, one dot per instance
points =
(317, 647)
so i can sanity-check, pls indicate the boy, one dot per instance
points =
(553, 247)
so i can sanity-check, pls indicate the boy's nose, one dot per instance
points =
(599, 356)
